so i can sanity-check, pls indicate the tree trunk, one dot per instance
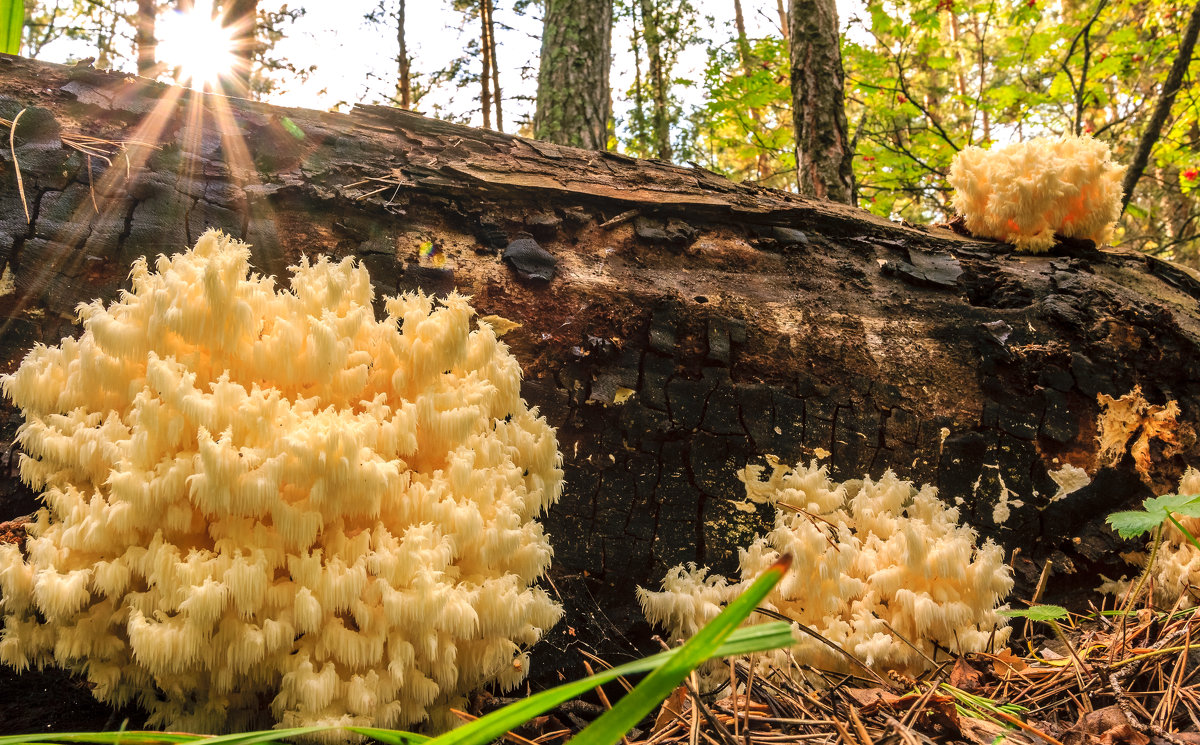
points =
(573, 99)
(147, 61)
(743, 43)
(823, 154)
(485, 68)
(489, 27)
(403, 81)
(241, 18)
(659, 89)
(692, 326)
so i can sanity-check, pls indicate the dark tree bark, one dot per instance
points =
(573, 100)
(1162, 108)
(823, 152)
(745, 321)
(147, 61)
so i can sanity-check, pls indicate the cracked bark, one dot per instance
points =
(746, 321)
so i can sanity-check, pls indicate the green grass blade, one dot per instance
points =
(656, 686)
(390, 736)
(269, 735)
(759, 638)
(12, 21)
(103, 738)
(1186, 533)
(151, 738)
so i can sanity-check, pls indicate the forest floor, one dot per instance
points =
(1103, 679)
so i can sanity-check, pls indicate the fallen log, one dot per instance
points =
(675, 326)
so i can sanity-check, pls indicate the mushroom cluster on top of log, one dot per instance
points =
(675, 326)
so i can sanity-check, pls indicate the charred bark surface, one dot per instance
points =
(692, 326)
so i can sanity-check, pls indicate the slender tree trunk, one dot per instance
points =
(743, 44)
(241, 17)
(784, 25)
(823, 155)
(1162, 108)
(403, 82)
(573, 98)
(144, 38)
(660, 118)
(639, 98)
(486, 7)
(485, 71)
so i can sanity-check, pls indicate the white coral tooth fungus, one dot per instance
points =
(270, 498)
(1026, 192)
(880, 568)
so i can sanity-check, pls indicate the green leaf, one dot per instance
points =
(758, 638)
(1184, 504)
(1037, 613)
(12, 21)
(1132, 523)
(656, 686)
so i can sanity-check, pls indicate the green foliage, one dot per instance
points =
(12, 19)
(927, 78)
(744, 129)
(1155, 510)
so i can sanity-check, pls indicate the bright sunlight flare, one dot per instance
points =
(198, 43)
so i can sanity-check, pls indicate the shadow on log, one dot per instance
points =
(680, 327)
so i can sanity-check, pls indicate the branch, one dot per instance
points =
(1163, 108)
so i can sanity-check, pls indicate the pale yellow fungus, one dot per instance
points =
(269, 497)
(1026, 192)
(880, 568)
(1176, 570)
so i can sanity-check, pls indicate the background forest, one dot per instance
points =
(711, 82)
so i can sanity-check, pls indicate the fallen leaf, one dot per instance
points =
(965, 676)
(672, 709)
(1005, 662)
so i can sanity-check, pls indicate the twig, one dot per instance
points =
(12, 146)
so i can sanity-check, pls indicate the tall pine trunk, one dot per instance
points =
(573, 99)
(823, 153)
(489, 28)
(485, 67)
(403, 79)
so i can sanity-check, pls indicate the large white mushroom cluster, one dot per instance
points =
(261, 499)
(881, 569)
(1027, 192)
